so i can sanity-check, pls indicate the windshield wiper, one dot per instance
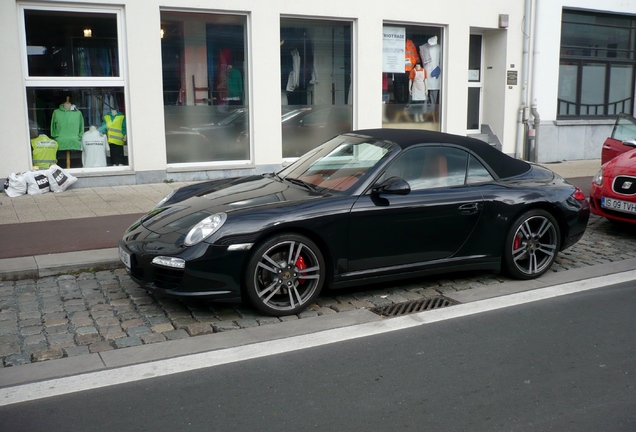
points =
(303, 183)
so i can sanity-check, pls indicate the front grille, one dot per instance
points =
(624, 185)
(414, 306)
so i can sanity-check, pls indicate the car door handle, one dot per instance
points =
(607, 147)
(469, 209)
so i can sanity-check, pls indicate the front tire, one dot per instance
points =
(531, 245)
(284, 275)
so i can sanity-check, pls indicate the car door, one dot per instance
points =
(624, 131)
(430, 223)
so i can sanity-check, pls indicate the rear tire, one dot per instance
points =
(532, 245)
(284, 275)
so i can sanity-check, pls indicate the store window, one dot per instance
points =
(315, 83)
(74, 89)
(205, 87)
(598, 59)
(411, 76)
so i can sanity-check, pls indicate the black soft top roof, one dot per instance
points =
(502, 164)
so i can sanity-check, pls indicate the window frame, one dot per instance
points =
(76, 83)
(577, 109)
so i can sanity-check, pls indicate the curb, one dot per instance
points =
(38, 266)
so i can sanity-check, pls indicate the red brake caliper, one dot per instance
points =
(517, 242)
(300, 265)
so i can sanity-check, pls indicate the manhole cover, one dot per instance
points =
(414, 306)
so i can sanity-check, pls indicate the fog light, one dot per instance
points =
(171, 262)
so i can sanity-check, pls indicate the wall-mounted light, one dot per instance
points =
(504, 20)
(88, 32)
(161, 32)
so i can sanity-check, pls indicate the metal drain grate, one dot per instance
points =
(413, 306)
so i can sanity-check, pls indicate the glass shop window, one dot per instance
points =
(411, 76)
(315, 83)
(71, 44)
(75, 119)
(205, 87)
(88, 125)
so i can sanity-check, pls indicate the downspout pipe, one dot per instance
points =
(536, 124)
(525, 66)
(533, 133)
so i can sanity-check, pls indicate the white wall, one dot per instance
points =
(144, 81)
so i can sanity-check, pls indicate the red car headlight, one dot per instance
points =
(598, 178)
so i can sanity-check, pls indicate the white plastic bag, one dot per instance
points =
(15, 185)
(37, 182)
(59, 179)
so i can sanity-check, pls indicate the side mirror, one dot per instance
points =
(392, 186)
(630, 142)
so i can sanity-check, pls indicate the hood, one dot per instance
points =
(193, 203)
(624, 164)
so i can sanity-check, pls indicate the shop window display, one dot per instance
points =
(205, 87)
(69, 55)
(411, 76)
(315, 83)
(66, 115)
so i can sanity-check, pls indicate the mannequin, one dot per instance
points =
(67, 128)
(430, 53)
(114, 126)
(401, 80)
(94, 148)
(417, 90)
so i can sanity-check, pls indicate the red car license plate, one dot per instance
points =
(618, 205)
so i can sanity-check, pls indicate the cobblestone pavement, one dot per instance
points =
(75, 314)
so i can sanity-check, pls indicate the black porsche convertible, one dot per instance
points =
(364, 207)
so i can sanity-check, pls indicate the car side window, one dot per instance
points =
(624, 129)
(477, 173)
(429, 167)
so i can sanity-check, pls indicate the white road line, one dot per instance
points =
(94, 380)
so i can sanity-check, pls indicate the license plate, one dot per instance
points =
(124, 257)
(619, 205)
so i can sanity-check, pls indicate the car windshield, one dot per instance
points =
(339, 163)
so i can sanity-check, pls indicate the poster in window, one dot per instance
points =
(393, 49)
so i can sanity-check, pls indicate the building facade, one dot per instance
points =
(583, 74)
(190, 90)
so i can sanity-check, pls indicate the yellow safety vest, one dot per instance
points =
(114, 129)
(44, 151)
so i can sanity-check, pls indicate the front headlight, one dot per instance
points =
(205, 229)
(598, 178)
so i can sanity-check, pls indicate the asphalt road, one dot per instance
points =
(564, 364)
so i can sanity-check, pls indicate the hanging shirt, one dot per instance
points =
(67, 128)
(94, 149)
(430, 56)
(410, 56)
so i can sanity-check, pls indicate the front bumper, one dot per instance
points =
(596, 194)
(210, 271)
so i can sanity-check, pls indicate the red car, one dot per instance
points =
(623, 138)
(613, 191)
